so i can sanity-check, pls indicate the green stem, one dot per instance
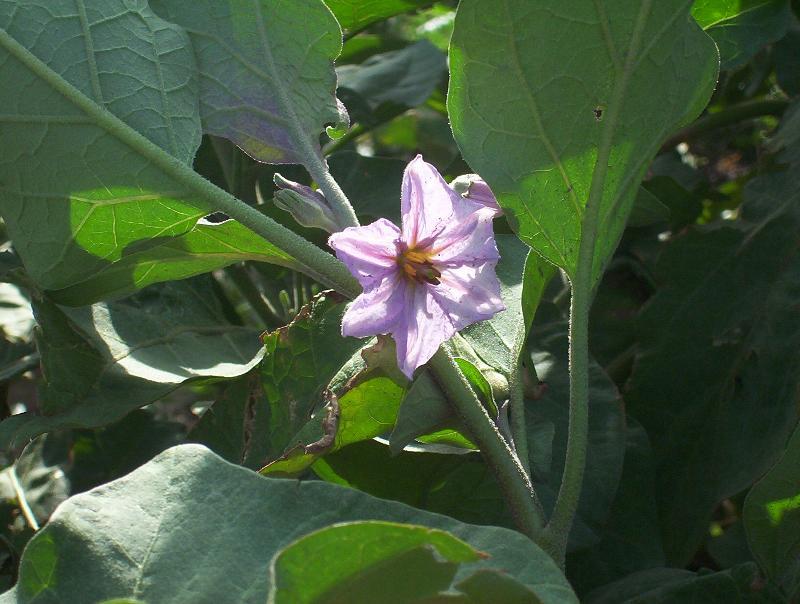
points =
(315, 262)
(337, 200)
(583, 282)
(513, 479)
(726, 117)
(517, 409)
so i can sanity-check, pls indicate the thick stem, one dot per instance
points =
(514, 481)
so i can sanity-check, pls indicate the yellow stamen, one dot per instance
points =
(416, 264)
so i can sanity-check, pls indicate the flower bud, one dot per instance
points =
(472, 186)
(308, 207)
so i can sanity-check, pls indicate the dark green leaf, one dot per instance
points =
(631, 537)
(716, 375)
(372, 183)
(647, 209)
(144, 536)
(391, 82)
(539, 91)
(787, 61)
(674, 586)
(606, 446)
(772, 519)
(742, 27)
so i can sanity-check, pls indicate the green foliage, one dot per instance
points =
(354, 15)
(102, 361)
(587, 113)
(249, 60)
(354, 561)
(772, 519)
(742, 27)
(116, 221)
(734, 348)
(141, 536)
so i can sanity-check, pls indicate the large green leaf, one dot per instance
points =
(149, 82)
(716, 375)
(742, 27)
(772, 519)
(354, 15)
(102, 361)
(541, 91)
(140, 537)
(266, 72)
(356, 561)
(86, 200)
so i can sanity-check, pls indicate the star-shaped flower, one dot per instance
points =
(427, 280)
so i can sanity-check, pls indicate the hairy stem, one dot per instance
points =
(583, 286)
(512, 477)
(517, 409)
(337, 200)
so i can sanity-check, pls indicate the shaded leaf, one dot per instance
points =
(139, 536)
(266, 72)
(372, 183)
(82, 192)
(102, 361)
(772, 519)
(391, 82)
(606, 445)
(742, 27)
(596, 87)
(717, 366)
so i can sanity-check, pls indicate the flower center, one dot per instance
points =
(416, 264)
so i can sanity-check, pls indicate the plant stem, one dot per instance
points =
(337, 200)
(513, 480)
(727, 117)
(318, 264)
(583, 285)
(517, 409)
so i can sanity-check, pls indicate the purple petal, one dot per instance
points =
(468, 294)
(421, 330)
(369, 252)
(376, 311)
(428, 205)
(470, 241)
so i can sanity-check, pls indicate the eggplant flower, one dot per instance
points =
(430, 278)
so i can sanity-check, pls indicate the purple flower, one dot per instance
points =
(427, 280)
(472, 186)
